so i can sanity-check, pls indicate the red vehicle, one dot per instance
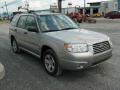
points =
(75, 16)
(112, 15)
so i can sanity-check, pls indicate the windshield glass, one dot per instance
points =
(57, 22)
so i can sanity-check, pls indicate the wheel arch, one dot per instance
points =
(44, 48)
(12, 38)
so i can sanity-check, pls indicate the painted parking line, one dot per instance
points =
(2, 71)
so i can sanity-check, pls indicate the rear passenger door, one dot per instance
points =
(21, 31)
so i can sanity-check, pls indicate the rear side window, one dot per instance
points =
(116, 13)
(14, 20)
(21, 22)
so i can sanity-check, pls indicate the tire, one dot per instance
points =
(108, 17)
(15, 47)
(50, 62)
(87, 21)
(93, 21)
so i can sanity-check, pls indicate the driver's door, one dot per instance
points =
(33, 37)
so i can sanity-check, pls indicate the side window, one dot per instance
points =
(116, 13)
(14, 20)
(31, 22)
(21, 22)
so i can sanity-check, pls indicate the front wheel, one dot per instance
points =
(50, 62)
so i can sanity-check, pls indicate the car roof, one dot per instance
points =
(39, 13)
(114, 11)
(46, 13)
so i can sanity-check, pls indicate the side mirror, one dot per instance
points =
(32, 29)
(78, 24)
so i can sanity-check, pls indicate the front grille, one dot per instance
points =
(101, 47)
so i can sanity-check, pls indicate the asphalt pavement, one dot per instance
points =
(105, 20)
(25, 72)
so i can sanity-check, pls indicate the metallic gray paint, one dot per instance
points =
(33, 42)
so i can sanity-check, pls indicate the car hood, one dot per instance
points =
(79, 36)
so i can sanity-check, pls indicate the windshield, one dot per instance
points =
(57, 22)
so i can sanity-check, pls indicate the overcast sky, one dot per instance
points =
(43, 4)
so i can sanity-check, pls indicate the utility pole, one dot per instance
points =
(84, 10)
(69, 4)
(6, 9)
(2, 8)
(60, 6)
(27, 5)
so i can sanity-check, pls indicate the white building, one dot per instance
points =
(108, 6)
(103, 7)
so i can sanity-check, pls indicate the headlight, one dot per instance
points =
(76, 48)
(110, 41)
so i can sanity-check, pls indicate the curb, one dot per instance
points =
(2, 71)
(103, 20)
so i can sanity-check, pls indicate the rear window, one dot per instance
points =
(14, 20)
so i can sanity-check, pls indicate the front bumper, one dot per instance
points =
(81, 61)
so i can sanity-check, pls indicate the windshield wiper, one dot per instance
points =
(69, 28)
(51, 31)
(61, 29)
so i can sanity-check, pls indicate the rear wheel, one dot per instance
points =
(50, 62)
(15, 46)
(108, 17)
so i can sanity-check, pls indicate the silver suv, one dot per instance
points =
(58, 42)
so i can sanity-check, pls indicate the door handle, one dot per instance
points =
(25, 33)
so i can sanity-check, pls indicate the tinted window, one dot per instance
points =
(31, 22)
(22, 21)
(14, 20)
(114, 12)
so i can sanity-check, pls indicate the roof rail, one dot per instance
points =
(31, 12)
